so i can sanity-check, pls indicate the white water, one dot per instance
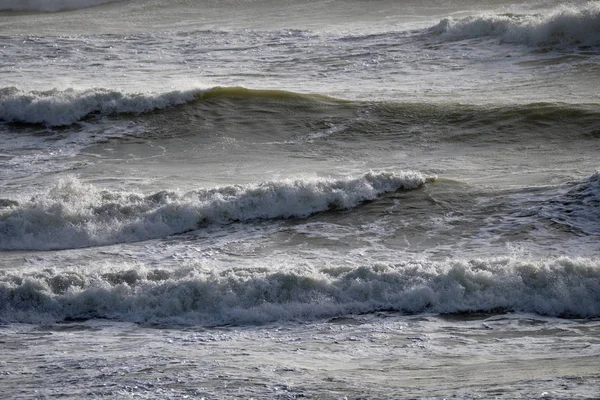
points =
(55, 108)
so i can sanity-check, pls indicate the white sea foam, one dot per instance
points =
(555, 287)
(73, 214)
(566, 25)
(66, 107)
(49, 5)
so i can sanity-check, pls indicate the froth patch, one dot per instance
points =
(73, 214)
(564, 26)
(556, 287)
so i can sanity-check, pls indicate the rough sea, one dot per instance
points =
(322, 199)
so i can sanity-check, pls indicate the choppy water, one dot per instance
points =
(319, 199)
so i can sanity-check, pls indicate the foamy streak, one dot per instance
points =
(555, 287)
(49, 5)
(73, 214)
(566, 25)
(57, 107)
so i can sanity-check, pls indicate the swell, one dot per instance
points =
(565, 26)
(478, 125)
(561, 287)
(471, 116)
(59, 108)
(50, 5)
(73, 215)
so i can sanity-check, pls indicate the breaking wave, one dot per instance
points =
(556, 287)
(73, 214)
(566, 25)
(56, 107)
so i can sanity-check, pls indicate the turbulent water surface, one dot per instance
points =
(299, 199)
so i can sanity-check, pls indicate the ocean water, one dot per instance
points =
(325, 199)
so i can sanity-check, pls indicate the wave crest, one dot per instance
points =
(564, 26)
(74, 215)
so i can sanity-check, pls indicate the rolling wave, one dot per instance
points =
(556, 287)
(73, 215)
(567, 25)
(49, 5)
(58, 108)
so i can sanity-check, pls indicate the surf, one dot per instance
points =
(559, 287)
(73, 214)
(565, 26)
(65, 107)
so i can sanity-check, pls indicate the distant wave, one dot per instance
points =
(561, 287)
(564, 26)
(49, 5)
(66, 107)
(73, 214)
